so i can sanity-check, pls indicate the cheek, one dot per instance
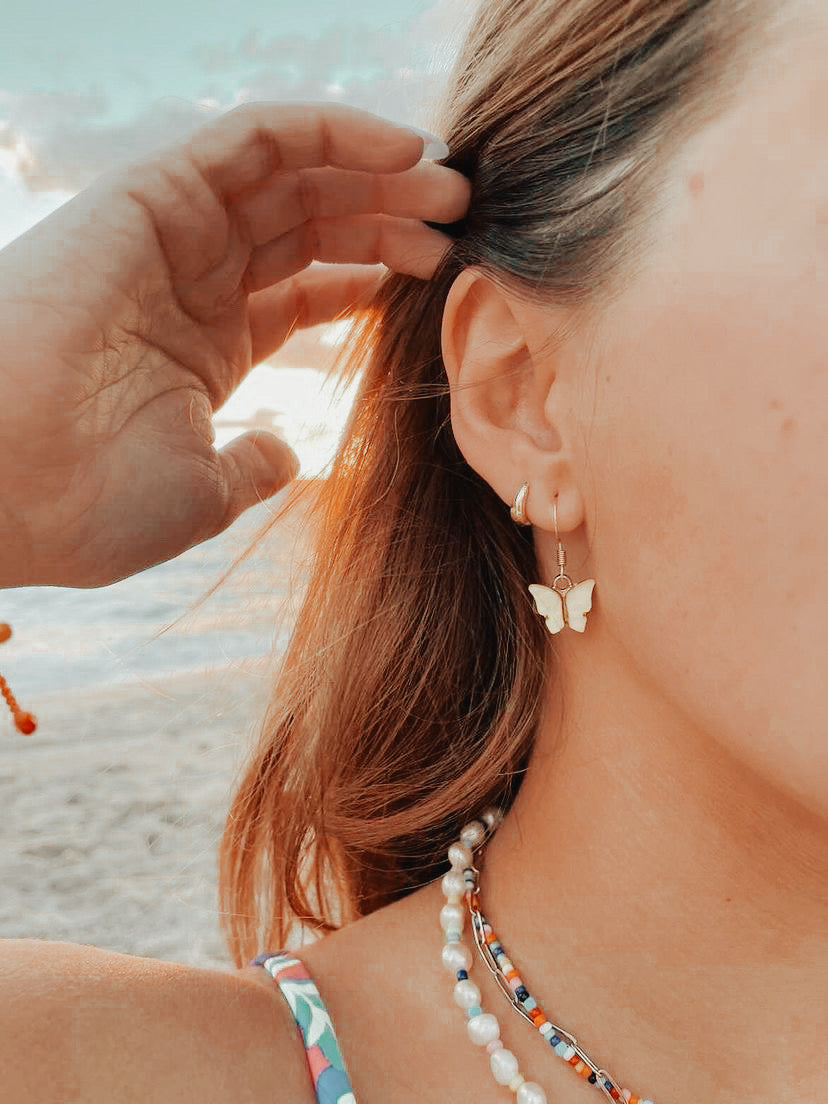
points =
(709, 531)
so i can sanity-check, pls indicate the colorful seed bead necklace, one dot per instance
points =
(462, 882)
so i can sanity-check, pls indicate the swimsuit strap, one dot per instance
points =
(327, 1066)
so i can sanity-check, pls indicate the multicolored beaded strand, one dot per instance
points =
(463, 881)
(483, 1028)
(511, 983)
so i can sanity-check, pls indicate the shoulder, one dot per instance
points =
(78, 1023)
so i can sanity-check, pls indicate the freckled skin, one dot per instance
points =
(674, 817)
(719, 366)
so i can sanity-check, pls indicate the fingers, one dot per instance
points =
(426, 192)
(250, 469)
(318, 294)
(247, 145)
(400, 244)
(304, 182)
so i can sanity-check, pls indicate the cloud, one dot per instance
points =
(62, 142)
(58, 142)
(384, 70)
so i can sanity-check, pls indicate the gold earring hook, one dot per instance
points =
(562, 580)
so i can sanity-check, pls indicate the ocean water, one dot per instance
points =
(145, 627)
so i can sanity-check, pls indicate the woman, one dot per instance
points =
(624, 341)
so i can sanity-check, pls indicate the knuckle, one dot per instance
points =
(380, 194)
(309, 194)
(200, 416)
(249, 131)
(322, 136)
(265, 146)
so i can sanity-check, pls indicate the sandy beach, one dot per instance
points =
(112, 813)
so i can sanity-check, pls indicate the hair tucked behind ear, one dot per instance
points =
(410, 691)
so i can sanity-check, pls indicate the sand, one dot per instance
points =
(111, 814)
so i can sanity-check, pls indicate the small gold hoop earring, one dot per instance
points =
(519, 507)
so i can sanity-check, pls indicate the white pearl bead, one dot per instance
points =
(466, 994)
(530, 1093)
(454, 885)
(460, 856)
(452, 917)
(504, 1066)
(483, 1029)
(456, 956)
(473, 834)
(492, 818)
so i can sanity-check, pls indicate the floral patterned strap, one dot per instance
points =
(327, 1066)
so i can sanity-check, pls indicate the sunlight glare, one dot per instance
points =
(301, 405)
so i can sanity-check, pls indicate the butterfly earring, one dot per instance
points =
(564, 603)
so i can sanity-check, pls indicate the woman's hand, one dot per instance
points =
(130, 314)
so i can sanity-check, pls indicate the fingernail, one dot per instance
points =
(435, 148)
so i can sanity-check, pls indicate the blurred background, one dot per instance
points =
(147, 702)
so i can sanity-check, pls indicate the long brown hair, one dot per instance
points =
(410, 691)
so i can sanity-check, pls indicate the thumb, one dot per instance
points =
(250, 469)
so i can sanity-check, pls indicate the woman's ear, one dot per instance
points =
(499, 354)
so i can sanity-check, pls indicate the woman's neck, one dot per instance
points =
(662, 902)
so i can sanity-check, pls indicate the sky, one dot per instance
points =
(89, 85)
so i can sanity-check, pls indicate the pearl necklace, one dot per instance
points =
(463, 881)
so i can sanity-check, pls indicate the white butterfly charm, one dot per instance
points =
(564, 607)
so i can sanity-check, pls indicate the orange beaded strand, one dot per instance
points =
(23, 722)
